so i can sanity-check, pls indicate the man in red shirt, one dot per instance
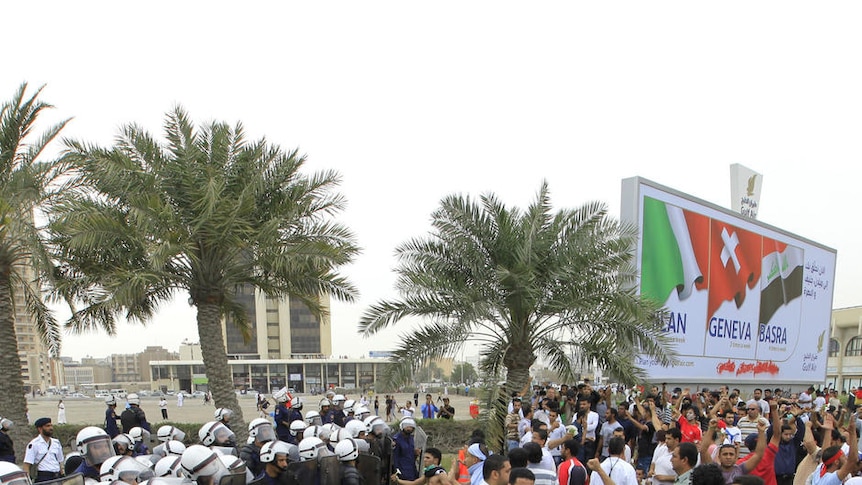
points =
(571, 471)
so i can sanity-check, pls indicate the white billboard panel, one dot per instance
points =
(746, 301)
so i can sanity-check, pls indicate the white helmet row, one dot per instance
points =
(346, 450)
(12, 474)
(174, 447)
(168, 432)
(94, 444)
(309, 448)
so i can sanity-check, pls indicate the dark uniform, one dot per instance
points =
(7, 449)
(132, 417)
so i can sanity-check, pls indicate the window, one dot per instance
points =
(854, 347)
(834, 346)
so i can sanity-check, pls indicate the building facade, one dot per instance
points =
(38, 370)
(305, 375)
(281, 328)
(844, 364)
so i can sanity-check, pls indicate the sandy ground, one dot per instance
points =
(92, 411)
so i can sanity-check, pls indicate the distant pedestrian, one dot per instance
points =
(376, 406)
(61, 412)
(163, 405)
(44, 452)
(180, 398)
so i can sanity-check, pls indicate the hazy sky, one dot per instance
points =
(413, 101)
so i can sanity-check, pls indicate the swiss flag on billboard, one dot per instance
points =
(734, 264)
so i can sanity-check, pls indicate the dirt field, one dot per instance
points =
(92, 411)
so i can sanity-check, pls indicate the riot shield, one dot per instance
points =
(302, 473)
(369, 467)
(330, 470)
(232, 479)
(225, 450)
(420, 440)
(74, 479)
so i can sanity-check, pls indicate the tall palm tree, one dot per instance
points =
(26, 183)
(522, 285)
(205, 214)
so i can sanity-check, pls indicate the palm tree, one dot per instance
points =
(26, 183)
(522, 285)
(206, 213)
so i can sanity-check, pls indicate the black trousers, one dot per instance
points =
(784, 479)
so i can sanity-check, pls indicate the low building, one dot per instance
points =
(844, 364)
(305, 375)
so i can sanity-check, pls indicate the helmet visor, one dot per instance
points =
(223, 435)
(265, 433)
(97, 449)
(18, 477)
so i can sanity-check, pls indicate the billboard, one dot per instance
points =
(745, 301)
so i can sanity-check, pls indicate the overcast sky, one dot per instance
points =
(413, 101)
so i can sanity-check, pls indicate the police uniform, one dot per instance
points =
(48, 467)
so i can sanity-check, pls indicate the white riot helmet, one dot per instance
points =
(340, 435)
(313, 418)
(325, 403)
(174, 447)
(168, 432)
(407, 423)
(261, 430)
(375, 425)
(215, 433)
(348, 406)
(361, 412)
(311, 432)
(346, 450)
(354, 428)
(280, 396)
(297, 427)
(133, 399)
(203, 465)
(110, 400)
(296, 403)
(327, 431)
(94, 445)
(269, 451)
(309, 448)
(12, 474)
(122, 443)
(235, 465)
(139, 434)
(6, 423)
(222, 414)
(337, 400)
(169, 466)
(125, 469)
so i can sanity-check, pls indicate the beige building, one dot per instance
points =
(38, 370)
(125, 368)
(281, 328)
(844, 365)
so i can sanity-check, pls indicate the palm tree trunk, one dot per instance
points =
(13, 401)
(218, 371)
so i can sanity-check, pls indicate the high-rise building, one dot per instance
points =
(37, 368)
(125, 367)
(280, 328)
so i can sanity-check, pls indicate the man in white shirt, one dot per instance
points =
(44, 452)
(589, 429)
(661, 469)
(621, 472)
(758, 399)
